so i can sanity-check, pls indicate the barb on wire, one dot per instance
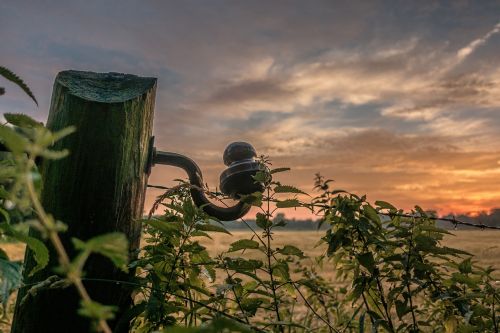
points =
(452, 220)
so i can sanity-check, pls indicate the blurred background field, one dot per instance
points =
(483, 244)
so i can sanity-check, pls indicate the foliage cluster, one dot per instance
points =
(393, 274)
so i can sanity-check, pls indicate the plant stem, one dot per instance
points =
(269, 254)
(238, 300)
(384, 303)
(407, 268)
(62, 255)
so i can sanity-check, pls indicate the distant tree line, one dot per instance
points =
(492, 219)
(290, 224)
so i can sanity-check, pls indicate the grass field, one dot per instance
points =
(485, 245)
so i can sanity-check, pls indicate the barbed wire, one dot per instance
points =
(452, 220)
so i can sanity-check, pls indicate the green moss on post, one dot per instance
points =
(98, 189)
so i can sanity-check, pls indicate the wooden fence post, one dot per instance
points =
(98, 188)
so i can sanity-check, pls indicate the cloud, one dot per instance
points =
(464, 52)
(374, 95)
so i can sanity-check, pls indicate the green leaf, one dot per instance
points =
(262, 221)
(254, 199)
(465, 266)
(251, 305)
(56, 136)
(113, 245)
(243, 244)
(289, 203)
(21, 120)
(371, 213)
(260, 176)
(15, 142)
(97, 311)
(9, 75)
(290, 250)
(40, 251)
(281, 269)
(401, 308)
(212, 227)
(288, 189)
(367, 261)
(163, 226)
(277, 170)
(54, 154)
(385, 205)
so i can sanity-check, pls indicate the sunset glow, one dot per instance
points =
(401, 103)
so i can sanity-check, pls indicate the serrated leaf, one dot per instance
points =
(163, 226)
(465, 266)
(243, 244)
(254, 199)
(262, 221)
(277, 170)
(367, 261)
(282, 270)
(9, 75)
(288, 189)
(401, 308)
(290, 250)
(212, 227)
(260, 176)
(54, 154)
(384, 205)
(40, 251)
(371, 213)
(251, 305)
(21, 120)
(15, 142)
(56, 136)
(289, 203)
(97, 311)
(339, 191)
(113, 245)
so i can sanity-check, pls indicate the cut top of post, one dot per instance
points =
(105, 87)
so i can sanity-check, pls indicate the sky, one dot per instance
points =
(397, 100)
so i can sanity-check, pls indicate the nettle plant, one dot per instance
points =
(393, 274)
(400, 277)
(249, 284)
